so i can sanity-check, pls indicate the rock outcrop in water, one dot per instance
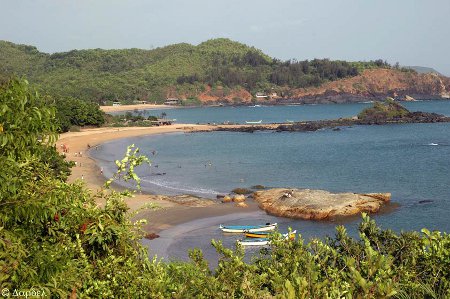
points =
(388, 112)
(317, 204)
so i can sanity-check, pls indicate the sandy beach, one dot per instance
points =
(171, 213)
(108, 109)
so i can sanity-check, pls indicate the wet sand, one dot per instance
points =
(169, 213)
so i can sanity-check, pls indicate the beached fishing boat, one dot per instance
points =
(248, 228)
(264, 241)
(254, 122)
(259, 235)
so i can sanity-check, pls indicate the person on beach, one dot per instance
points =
(101, 170)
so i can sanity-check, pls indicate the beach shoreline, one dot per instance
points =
(169, 214)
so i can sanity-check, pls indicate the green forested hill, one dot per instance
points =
(176, 70)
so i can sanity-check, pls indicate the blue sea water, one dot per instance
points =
(412, 161)
(277, 114)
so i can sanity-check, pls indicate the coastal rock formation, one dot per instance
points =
(376, 84)
(239, 198)
(371, 84)
(387, 112)
(242, 205)
(226, 199)
(317, 204)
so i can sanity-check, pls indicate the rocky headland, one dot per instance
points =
(317, 204)
(371, 84)
(387, 112)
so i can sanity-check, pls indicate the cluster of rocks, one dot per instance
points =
(239, 199)
(382, 113)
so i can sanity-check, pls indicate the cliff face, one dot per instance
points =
(377, 84)
(371, 84)
(210, 96)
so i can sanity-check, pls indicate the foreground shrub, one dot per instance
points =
(55, 238)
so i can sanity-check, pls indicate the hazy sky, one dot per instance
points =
(408, 31)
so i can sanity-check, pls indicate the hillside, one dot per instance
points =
(377, 84)
(218, 70)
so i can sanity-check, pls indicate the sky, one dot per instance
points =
(411, 32)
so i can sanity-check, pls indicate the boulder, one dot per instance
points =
(409, 98)
(242, 205)
(226, 199)
(151, 236)
(239, 198)
(258, 187)
(242, 191)
(317, 204)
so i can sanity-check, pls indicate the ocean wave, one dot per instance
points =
(180, 188)
(437, 144)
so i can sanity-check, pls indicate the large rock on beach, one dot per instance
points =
(226, 199)
(317, 204)
(242, 205)
(239, 198)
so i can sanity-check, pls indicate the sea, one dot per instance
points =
(411, 161)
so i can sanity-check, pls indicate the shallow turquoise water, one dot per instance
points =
(412, 161)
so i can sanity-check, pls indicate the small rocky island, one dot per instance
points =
(317, 204)
(387, 112)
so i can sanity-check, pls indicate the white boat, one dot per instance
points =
(264, 241)
(248, 228)
(254, 122)
(254, 242)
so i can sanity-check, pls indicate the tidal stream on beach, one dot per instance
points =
(412, 161)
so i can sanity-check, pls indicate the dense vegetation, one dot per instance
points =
(136, 119)
(103, 76)
(384, 111)
(55, 239)
(74, 112)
